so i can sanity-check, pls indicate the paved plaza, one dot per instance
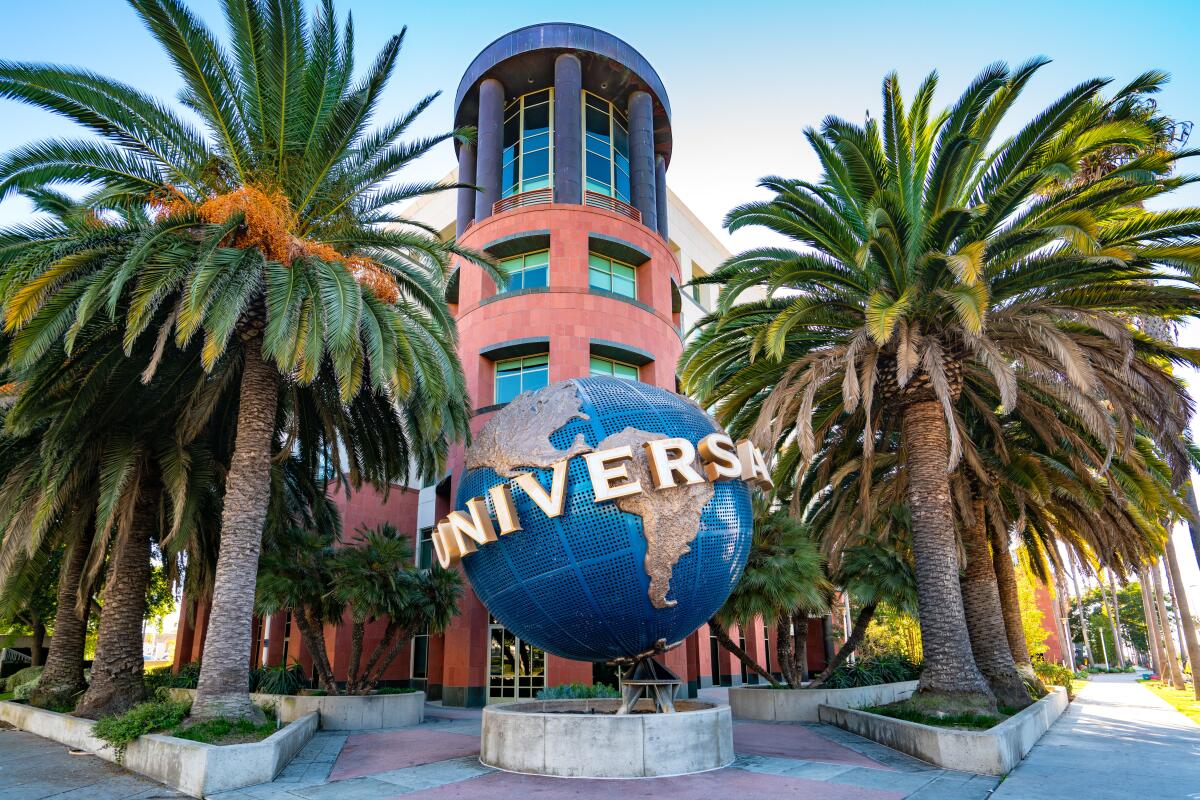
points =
(1116, 741)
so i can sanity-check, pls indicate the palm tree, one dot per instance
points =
(930, 254)
(269, 237)
(784, 580)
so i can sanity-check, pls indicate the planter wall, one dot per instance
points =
(357, 713)
(991, 752)
(801, 705)
(562, 738)
(191, 767)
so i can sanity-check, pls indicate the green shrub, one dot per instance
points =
(1058, 675)
(277, 680)
(215, 731)
(163, 677)
(22, 676)
(395, 690)
(577, 691)
(977, 722)
(143, 718)
(891, 668)
(23, 691)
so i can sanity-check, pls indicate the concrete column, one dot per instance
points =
(568, 129)
(641, 157)
(490, 147)
(660, 194)
(466, 197)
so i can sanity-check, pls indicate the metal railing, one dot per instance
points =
(537, 197)
(534, 197)
(597, 200)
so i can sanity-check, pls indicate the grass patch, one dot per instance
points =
(1184, 702)
(143, 718)
(395, 690)
(6, 695)
(224, 731)
(941, 713)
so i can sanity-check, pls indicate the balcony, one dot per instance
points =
(537, 197)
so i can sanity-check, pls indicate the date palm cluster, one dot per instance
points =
(225, 292)
(947, 345)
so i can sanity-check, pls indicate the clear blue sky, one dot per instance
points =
(744, 78)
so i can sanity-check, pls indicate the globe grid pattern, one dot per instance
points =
(576, 585)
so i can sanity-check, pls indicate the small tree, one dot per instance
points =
(361, 581)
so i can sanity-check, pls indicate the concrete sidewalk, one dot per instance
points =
(1116, 741)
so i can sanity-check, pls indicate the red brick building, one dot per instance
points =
(571, 160)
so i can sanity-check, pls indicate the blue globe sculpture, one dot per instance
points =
(608, 579)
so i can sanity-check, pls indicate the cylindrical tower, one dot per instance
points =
(570, 163)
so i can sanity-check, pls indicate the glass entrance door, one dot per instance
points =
(516, 669)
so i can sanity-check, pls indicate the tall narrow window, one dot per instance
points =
(527, 271)
(517, 375)
(612, 276)
(612, 368)
(425, 548)
(528, 143)
(605, 148)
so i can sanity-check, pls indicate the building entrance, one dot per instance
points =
(516, 669)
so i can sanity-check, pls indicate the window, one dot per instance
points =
(425, 548)
(528, 271)
(615, 369)
(516, 375)
(528, 143)
(605, 148)
(420, 657)
(612, 276)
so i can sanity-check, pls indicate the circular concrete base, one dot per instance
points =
(586, 739)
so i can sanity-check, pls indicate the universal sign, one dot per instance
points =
(671, 461)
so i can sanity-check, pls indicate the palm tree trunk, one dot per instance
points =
(37, 641)
(1193, 519)
(1083, 626)
(225, 668)
(1063, 606)
(310, 634)
(354, 681)
(1110, 607)
(1112, 592)
(985, 617)
(784, 645)
(861, 621)
(730, 645)
(1158, 662)
(1010, 606)
(1171, 670)
(1185, 614)
(800, 646)
(117, 670)
(949, 666)
(62, 678)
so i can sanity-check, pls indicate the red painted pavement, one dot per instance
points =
(793, 741)
(705, 786)
(368, 753)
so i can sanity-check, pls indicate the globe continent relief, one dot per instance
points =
(609, 579)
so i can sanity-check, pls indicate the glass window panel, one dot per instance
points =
(627, 371)
(596, 186)
(540, 258)
(508, 179)
(537, 142)
(600, 366)
(598, 170)
(537, 164)
(598, 146)
(624, 287)
(534, 361)
(622, 270)
(535, 379)
(598, 279)
(596, 122)
(621, 140)
(622, 188)
(535, 278)
(507, 387)
(420, 657)
(593, 100)
(537, 119)
(512, 130)
(542, 96)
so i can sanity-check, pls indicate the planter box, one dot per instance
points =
(801, 705)
(991, 752)
(356, 713)
(564, 738)
(191, 767)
